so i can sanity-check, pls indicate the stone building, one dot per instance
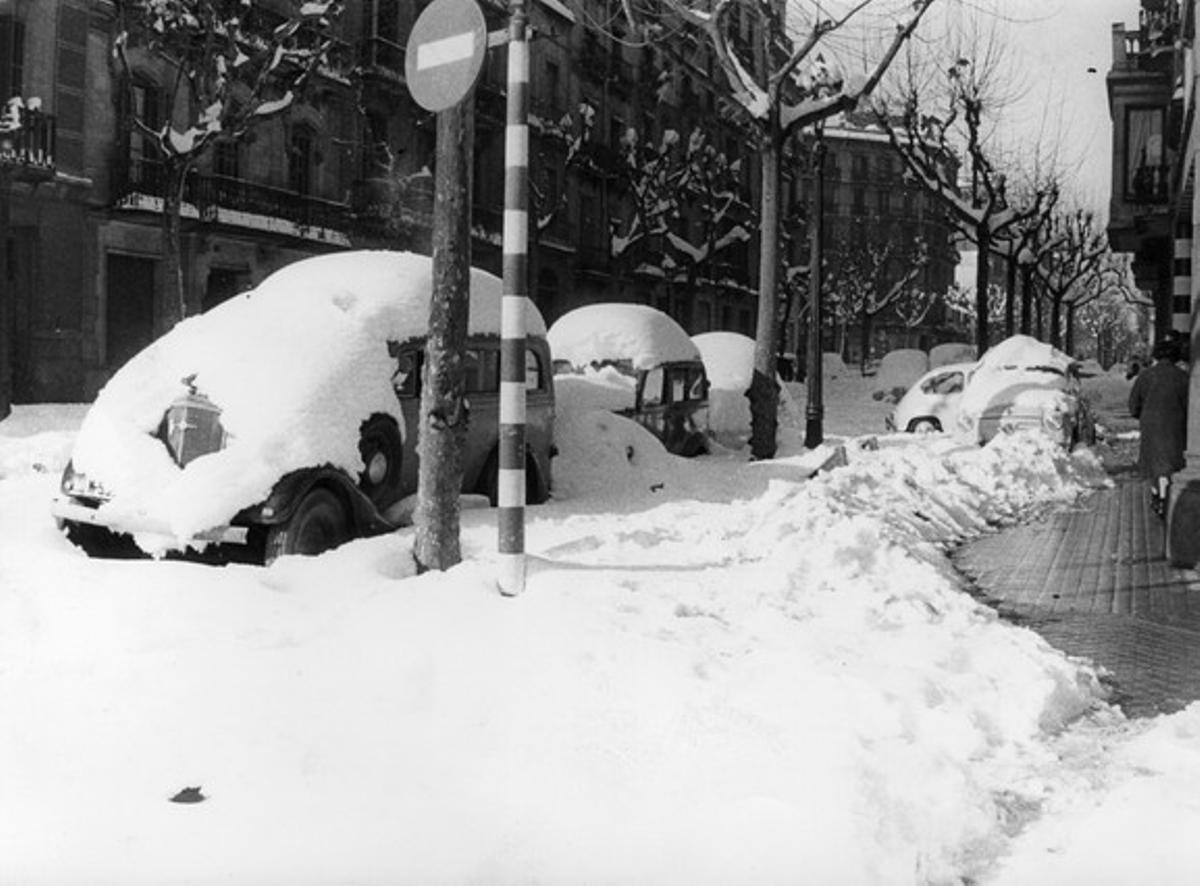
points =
(350, 168)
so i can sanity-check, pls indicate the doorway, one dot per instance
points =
(129, 311)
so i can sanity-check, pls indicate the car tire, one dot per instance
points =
(380, 445)
(924, 426)
(318, 524)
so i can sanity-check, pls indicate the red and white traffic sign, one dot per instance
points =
(445, 53)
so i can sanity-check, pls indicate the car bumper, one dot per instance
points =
(68, 510)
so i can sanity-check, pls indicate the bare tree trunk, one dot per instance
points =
(1056, 320)
(1026, 299)
(171, 306)
(764, 392)
(983, 238)
(443, 425)
(1010, 301)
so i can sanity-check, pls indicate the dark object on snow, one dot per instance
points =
(189, 795)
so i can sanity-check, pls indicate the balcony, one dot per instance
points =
(382, 62)
(27, 142)
(1147, 121)
(218, 199)
(1149, 184)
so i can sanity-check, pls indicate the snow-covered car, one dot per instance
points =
(667, 385)
(1023, 383)
(931, 404)
(284, 420)
(729, 364)
(897, 372)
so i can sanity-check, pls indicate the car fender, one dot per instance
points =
(289, 490)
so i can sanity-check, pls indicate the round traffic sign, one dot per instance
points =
(445, 52)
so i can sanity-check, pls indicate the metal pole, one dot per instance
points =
(814, 412)
(510, 484)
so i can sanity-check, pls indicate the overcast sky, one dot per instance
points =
(1059, 41)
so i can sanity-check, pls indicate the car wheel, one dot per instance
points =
(924, 426)
(379, 444)
(318, 524)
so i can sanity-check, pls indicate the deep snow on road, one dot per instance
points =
(720, 672)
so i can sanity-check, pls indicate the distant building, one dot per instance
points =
(870, 200)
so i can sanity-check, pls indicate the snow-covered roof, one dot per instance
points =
(612, 331)
(295, 366)
(1024, 350)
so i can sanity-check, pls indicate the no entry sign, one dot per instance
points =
(445, 52)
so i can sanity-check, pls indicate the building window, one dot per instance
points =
(226, 159)
(301, 160)
(1145, 161)
(12, 57)
(553, 91)
(145, 104)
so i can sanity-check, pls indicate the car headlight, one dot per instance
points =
(78, 485)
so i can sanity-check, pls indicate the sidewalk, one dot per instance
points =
(1092, 580)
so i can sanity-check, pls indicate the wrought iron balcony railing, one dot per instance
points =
(1149, 184)
(27, 142)
(234, 201)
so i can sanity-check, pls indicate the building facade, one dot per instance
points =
(1153, 93)
(351, 167)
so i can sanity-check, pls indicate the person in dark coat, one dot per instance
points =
(1159, 400)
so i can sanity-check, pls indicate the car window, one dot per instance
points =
(679, 385)
(697, 388)
(652, 387)
(533, 370)
(474, 371)
(945, 383)
(406, 379)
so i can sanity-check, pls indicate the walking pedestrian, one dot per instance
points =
(1159, 400)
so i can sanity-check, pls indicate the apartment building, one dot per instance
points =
(350, 167)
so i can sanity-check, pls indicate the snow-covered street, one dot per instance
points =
(720, 672)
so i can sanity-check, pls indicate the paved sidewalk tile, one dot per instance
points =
(1092, 580)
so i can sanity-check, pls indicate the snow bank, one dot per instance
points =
(720, 672)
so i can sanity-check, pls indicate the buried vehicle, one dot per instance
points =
(931, 404)
(666, 388)
(1023, 383)
(283, 421)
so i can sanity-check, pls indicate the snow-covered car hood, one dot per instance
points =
(294, 365)
(1020, 377)
(643, 336)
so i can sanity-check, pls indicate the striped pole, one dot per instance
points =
(1181, 291)
(510, 488)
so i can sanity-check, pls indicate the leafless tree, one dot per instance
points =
(787, 82)
(226, 67)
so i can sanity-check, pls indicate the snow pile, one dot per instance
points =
(729, 365)
(616, 332)
(295, 365)
(721, 672)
